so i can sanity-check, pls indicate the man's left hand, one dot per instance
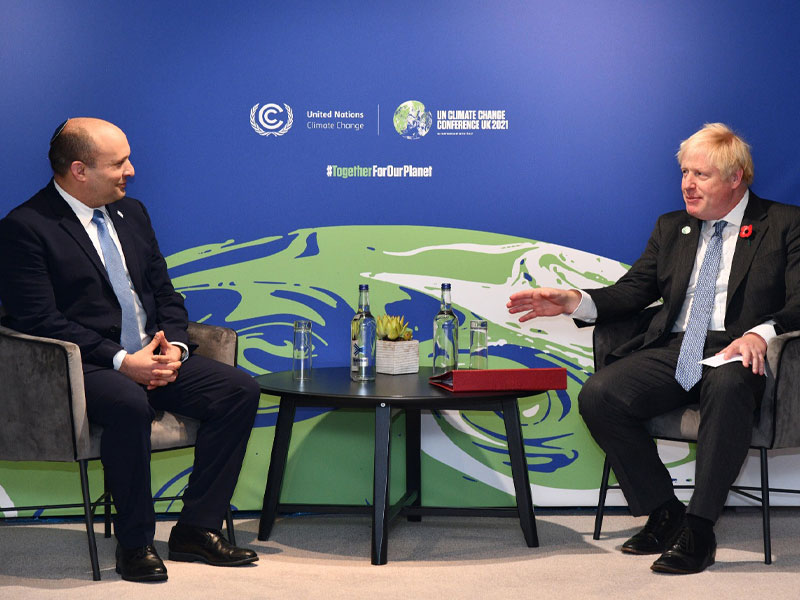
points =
(172, 352)
(753, 349)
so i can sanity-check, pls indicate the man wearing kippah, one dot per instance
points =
(79, 262)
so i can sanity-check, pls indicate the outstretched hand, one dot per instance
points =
(150, 369)
(543, 302)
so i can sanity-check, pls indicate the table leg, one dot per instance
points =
(380, 497)
(413, 460)
(277, 467)
(519, 471)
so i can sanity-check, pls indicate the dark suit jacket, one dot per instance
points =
(764, 281)
(53, 283)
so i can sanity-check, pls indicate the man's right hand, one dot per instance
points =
(543, 302)
(147, 368)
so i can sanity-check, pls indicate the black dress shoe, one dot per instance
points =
(661, 528)
(189, 544)
(689, 553)
(140, 564)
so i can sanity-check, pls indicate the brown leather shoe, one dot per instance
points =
(655, 537)
(189, 544)
(140, 564)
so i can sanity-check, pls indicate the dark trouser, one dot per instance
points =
(224, 399)
(615, 402)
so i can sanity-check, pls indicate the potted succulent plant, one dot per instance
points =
(397, 353)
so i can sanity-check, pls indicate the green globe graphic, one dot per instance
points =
(411, 120)
(261, 286)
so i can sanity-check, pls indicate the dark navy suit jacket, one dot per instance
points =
(53, 283)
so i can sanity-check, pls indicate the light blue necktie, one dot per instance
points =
(131, 338)
(688, 369)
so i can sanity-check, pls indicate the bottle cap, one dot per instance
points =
(445, 286)
(362, 287)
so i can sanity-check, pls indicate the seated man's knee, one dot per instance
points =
(243, 393)
(128, 408)
(592, 397)
(251, 392)
(244, 383)
(138, 409)
(732, 383)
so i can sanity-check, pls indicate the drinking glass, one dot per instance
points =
(478, 345)
(301, 350)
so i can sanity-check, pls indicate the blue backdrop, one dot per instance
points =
(597, 96)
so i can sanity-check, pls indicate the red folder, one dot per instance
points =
(501, 380)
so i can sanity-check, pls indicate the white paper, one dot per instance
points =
(718, 360)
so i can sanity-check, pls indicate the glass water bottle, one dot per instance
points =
(445, 335)
(363, 339)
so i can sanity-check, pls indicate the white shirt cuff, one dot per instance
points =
(765, 330)
(184, 350)
(118, 358)
(587, 309)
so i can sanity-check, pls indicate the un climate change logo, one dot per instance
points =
(265, 118)
(411, 120)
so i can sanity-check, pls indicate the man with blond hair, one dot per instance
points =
(727, 269)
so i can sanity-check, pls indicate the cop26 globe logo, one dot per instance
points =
(271, 119)
(411, 120)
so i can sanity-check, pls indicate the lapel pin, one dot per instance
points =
(745, 232)
(686, 230)
(121, 216)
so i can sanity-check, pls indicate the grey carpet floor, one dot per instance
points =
(327, 557)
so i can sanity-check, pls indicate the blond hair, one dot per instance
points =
(726, 150)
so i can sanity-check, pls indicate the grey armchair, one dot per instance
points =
(44, 412)
(777, 425)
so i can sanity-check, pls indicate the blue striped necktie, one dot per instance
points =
(130, 338)
(688, 369)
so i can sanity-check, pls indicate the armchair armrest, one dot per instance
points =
(42, 393)
(782, 393)
(44, 407)
(213, 341)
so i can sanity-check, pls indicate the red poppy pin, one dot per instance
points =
(745, 232)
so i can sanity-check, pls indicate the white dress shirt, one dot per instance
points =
(587, 311)
(85, 214)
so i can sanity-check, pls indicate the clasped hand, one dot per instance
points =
(155, 365)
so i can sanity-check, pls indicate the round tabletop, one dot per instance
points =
(335, 385)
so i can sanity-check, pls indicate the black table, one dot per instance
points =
(411, 393)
